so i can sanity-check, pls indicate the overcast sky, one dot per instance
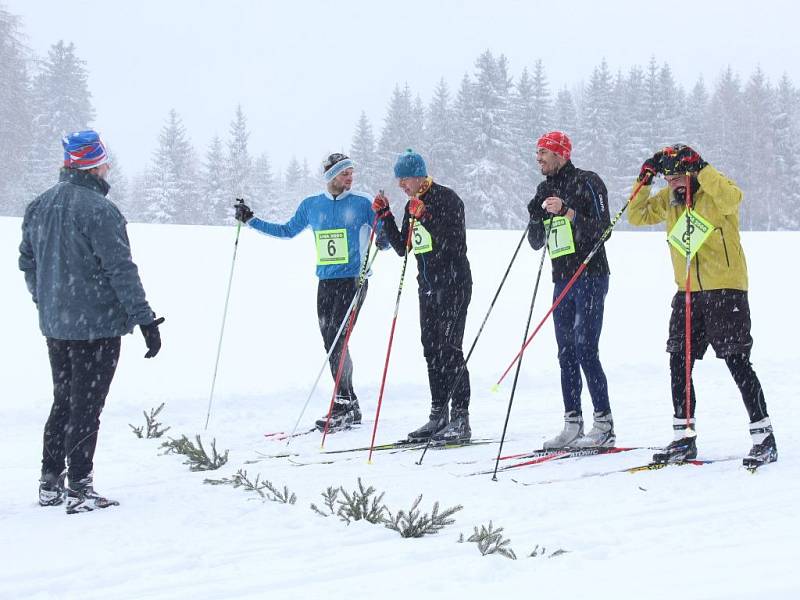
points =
(304, 70)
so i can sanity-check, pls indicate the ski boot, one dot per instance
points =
(601, 435)
(51, 489)
(573, 429)
(437, 421)
(344, 414)
(764, 449)
(81, 497)
(456, 432)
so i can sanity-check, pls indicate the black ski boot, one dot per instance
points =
(437, 421)
(345, 413)
(677, 452)
(761, 454)
(81, 497)
(51, 489)
(457, 432)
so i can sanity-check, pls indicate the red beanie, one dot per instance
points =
(556, 142)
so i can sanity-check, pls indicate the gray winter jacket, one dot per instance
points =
(77, 262)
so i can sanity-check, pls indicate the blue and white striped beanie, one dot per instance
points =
(335, 164)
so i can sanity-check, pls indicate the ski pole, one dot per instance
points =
(351, 310)
(463, 367)
(688, 301)
(224, 316)
(519, 362)
(571, 282)
(411, 222)
(325, 362)
(350, 324)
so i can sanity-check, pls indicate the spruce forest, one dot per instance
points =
(477, 135)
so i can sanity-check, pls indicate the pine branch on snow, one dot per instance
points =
(196, 456)
(360, 505)
(415, 524)
(491, 541)
(153, 427)
(262, 487)
(329, 496)
(538, 553)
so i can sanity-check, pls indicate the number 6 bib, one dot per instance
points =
(332, 247)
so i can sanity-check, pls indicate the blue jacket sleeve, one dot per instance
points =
(289, 229)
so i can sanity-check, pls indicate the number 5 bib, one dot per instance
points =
(421, 241)
(332, 247)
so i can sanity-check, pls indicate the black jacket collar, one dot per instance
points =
(85, 179)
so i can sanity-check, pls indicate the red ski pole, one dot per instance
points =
(350, 324)
(571, 282)
(411, 223)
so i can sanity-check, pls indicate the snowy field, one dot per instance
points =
(714, 531)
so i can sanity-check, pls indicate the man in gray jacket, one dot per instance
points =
(78, 267)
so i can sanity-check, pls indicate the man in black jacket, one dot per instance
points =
(78, 268)
(569, 213)
(444, 279)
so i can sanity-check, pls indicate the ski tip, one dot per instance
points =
(495, 388)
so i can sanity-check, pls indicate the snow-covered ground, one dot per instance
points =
(714, 531)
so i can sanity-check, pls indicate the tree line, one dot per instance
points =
(478, 138)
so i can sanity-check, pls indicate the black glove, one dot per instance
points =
(243, 212)
(650, 168)
(680, 159)
(152, 338)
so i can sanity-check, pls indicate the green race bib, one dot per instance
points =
(560, 242)
(689, 242)
(421, 241)
(332, 247)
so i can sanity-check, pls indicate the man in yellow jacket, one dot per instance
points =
(708, 232)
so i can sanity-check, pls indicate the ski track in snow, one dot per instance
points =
(714, 531)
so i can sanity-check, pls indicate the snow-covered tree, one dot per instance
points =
(441, 149)
(239, 164)
(61, 103)
(171, 193)
(363, 152)
(217, 202)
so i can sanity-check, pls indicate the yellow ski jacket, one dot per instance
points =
(720, 262)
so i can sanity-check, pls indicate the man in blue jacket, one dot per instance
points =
(341, 221)
(78, 268)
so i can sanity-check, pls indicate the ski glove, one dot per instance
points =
(243, 212)
(650, 168)
(680, 159)
(416, 208)
(380, 205)
(152, 338)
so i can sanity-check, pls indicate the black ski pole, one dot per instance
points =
(463, 367)
(524, 337)
(571, 282)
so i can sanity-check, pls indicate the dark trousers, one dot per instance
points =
(442, 319)
(578, 321)
(333, 299)
(721, 319)
(82, 373)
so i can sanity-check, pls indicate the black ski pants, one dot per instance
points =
(720, 318)
(333, 299)
(82, 372)
(442, 319)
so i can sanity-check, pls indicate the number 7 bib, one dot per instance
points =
(332, 247)
(560, 242)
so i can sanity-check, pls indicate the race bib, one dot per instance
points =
(689, 241)
(421, 240)
(560, 241)
(332, 247)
